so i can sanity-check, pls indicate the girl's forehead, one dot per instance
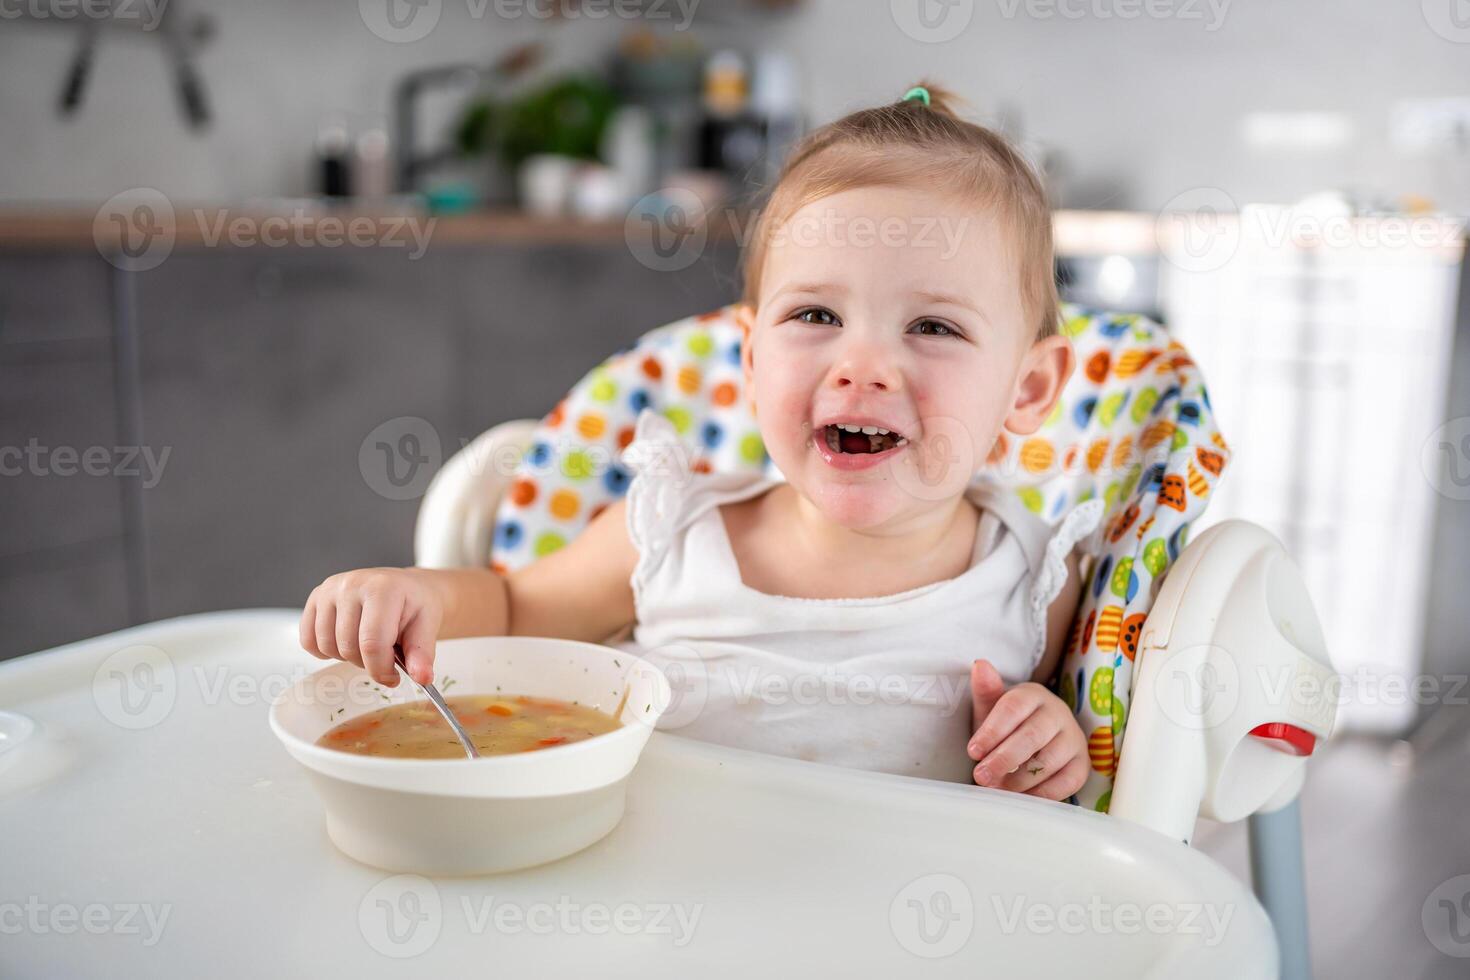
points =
(885, 225)
(904, 202)
(863, 242)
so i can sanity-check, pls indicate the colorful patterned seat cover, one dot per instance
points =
(1133, 427)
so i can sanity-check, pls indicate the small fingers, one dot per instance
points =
(419, 634)
(306, 629)
(349, 615)
(1049, 760)
(1028, 738)
(1013, 708)
(326, 629)
(986, 688)
(1064, 783)
(377, 634)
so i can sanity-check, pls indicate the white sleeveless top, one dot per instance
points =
(878, 683)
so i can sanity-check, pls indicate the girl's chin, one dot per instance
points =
(858, 498)
(855, 504)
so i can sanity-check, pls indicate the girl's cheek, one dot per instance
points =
(779, 379)
(965, 396)
(784, 408)
(771, 401)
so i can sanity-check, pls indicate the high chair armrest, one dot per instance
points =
(1232, 690)
(456, 519)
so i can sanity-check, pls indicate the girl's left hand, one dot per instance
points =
(1026, 740)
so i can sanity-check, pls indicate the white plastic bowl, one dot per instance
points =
(476, 816)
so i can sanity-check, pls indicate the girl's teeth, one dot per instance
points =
(876, 438)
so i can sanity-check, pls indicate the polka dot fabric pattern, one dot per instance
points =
(689, 372)
(1133, 429)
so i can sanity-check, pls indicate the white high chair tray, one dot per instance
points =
(194, 846)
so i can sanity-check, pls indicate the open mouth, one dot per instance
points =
(861, 439)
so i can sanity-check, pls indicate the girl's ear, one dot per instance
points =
(1044, 371)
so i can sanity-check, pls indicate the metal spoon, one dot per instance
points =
(432, 693)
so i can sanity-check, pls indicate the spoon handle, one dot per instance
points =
(432, 693)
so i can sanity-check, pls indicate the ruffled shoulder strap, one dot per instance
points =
(663, 469)
(671, 490)
(1078, 523)
(1046, 546)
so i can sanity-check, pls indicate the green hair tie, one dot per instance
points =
(917, 92)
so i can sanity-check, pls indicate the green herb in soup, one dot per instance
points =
(497, 724)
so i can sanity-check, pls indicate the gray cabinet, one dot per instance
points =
(260, 372)
(245, 382)
(62, 541)
(531, 321)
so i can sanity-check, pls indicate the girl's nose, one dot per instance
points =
(868, 369)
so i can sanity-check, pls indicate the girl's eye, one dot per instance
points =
(939, 329)
(817, 316)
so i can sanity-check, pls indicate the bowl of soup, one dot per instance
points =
(559, 725)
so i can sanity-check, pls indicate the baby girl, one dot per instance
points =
(886, 604)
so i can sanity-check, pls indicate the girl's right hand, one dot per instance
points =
(358, 616)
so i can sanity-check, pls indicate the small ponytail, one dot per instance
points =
(935, 98)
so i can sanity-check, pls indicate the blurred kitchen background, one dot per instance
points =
(1284, 184)
(145, 301)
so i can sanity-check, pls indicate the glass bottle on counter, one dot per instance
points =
(748, 129)
(333, 176)
(731, 137)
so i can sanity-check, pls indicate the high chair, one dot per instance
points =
(1231, 688)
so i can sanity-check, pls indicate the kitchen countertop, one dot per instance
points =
(64, 228)
(1077, 233)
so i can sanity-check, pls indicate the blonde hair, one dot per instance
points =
(910, 143)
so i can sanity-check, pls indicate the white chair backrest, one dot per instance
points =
(456, 519)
